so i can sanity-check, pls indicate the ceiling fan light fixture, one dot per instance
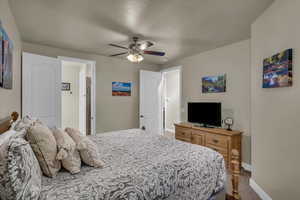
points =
(143, 46)
(136, 58)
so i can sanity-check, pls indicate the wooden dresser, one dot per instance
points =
(220, 140)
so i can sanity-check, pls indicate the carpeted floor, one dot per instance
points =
(246, 191)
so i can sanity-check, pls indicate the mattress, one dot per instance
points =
(139, 166)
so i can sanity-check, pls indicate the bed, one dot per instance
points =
(140, 166)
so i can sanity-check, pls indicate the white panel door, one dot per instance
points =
(41, 88)
(150, 102)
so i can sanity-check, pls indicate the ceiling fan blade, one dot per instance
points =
(155, 53)
(118, 46)
(118, 54)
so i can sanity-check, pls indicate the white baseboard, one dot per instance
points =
(246, 167)
(259, 191)
(170, 130)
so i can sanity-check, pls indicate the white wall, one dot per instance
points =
(172, 89)
(112, 113)
(11, 99)
(234, 60)
(275, 112)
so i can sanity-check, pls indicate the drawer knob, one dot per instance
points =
(215, 141)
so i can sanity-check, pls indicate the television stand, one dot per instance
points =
(203, 126)
(218, 139)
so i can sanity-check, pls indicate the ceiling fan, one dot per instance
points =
(136, 50)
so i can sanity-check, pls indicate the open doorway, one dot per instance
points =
(78, 94)
(171, 98)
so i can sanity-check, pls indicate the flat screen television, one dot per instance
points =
(205, 113)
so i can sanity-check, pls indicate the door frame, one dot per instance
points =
(82, 105)
(92, 64)
(180, 93)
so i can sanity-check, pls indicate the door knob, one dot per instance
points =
(141, 116)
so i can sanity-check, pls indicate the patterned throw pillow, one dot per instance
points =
(4, 144)
(23, 123)
(44, 147)
(67, 152)
(24, 173)
(87, 148)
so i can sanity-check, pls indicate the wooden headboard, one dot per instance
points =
(6, 122)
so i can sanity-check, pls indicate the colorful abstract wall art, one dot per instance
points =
(6, 58)
(277, 70)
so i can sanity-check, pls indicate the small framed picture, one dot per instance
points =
(121, 88)
(214, 84)
(65, 86)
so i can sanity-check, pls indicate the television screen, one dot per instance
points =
(204, 113)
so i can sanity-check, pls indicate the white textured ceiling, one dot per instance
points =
(178, 27)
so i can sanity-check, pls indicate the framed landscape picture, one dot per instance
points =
(277, 70)
(1, 57)
(214, 84)
(6, 58)
(121, 89)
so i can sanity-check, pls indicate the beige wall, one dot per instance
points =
(112, 113)
(234, 60)
(11, 99)
(275, 112)
(172, 95)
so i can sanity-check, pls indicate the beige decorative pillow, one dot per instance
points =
(44, 147)
(67, 152)
(77, 137)
(87, 148)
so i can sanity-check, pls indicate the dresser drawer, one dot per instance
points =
(183, 134)
(219, 149)
(217, 140)
(184, 139)
(197, 139)
(222, 151)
